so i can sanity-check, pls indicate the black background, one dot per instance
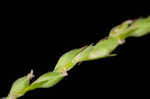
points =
(35, 38)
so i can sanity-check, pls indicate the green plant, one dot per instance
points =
(104, 48)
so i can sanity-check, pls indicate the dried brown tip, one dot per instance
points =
(30, 75)
(121, 41)
(65, 72)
